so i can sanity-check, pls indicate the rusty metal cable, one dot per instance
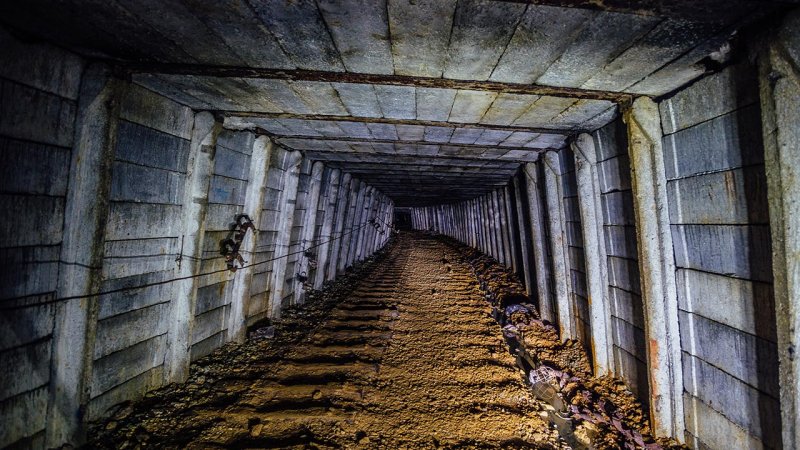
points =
(159, 283)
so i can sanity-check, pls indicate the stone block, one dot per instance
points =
(740, 251)
(117, 368)
(152, 148)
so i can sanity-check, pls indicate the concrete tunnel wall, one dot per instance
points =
(577, 225)
(665, 242)
(107, 186)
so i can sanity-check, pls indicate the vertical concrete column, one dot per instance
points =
(657, 267)
(498, 228)
(374, 239)
(365, 234)
(200, 168)
(327, 232)
(472, 223)
(347, 231)
(358, 217)
(528, 274)
(595, 251)
(371, 230)
(487, 221)
(469, 224)
(356, 195)
(502, 232)
(558, 244)
(478, 218)
(513, 233)
(253, 204)
(491, 216)
(476, 224)
(533, 188)
(384, 221)
(339, 224)
(363, 216)
(80, 269)
(285, 224)
(779, 81)
(309, 224)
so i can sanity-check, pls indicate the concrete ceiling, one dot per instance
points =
(431, 101)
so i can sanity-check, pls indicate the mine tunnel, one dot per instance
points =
(400, 224)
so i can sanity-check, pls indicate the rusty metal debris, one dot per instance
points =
(559, 373)
(229, 247)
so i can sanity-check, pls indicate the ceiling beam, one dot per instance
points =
(419, 167)
(415, 174)
(403, 159)
(232, 116)
(281, 138)
(126, 69)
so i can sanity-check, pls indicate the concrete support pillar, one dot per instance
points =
(378, 215)
(327, 232)
(528, 274)
(488, 221)
(533, 187)
(80, 269)
(476, 215)
(486, 218)
(307, 238)
(478, 218)
(473, 224)
(505, 235)
(358, 216)
(200, 168)
(363, 216)
(511, 225)
(657, 267)
(253, 203)
(497, 221)
(491, 216)
(779, 80)
(347, 238)
(469, 225)
(364, 234)
(339, 226)
(285, 222)
(558, 244)
(383, 220)
(595, 251)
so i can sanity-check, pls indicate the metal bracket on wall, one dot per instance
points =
(229, 247)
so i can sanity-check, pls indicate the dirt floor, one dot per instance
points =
(401, 353)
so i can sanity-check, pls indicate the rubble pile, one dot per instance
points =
(601, 411)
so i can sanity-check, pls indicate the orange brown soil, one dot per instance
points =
(401, 353)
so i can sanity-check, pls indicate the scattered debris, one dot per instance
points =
(601, 411)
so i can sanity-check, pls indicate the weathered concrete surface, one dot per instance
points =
(558, 246)
(534, 187)
(594, 251)
(342, 207)
(195, 203)
(329, 208)
(779, 81)
(657, 266)
(309, 224)
(285, 221)
(86, 213)
(254, 199)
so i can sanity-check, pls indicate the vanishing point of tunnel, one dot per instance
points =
(400, 224)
